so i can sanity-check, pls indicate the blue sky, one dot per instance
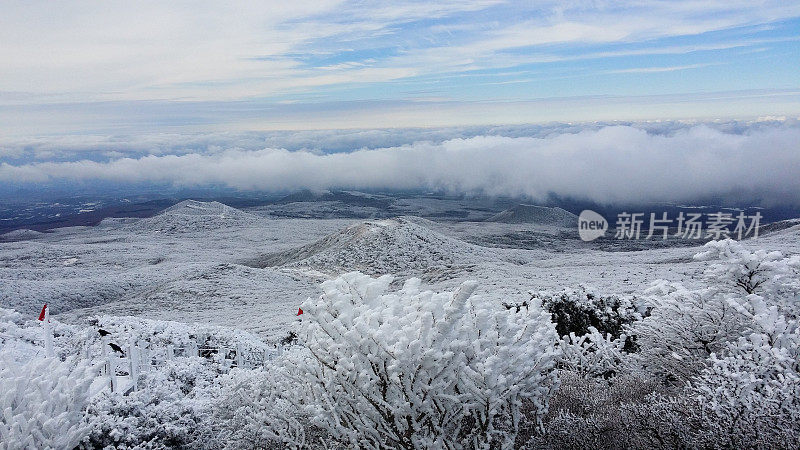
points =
(86, 66)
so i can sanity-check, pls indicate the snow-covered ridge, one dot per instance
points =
(541, 215)
(788, 226)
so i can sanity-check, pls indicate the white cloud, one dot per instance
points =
(660, 69)
(603, 22)
(605, 164)
(188, 50)
(202, 50)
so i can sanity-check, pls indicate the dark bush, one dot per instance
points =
(576, 311)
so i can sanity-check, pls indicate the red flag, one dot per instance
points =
(41, 314)
(299, 311)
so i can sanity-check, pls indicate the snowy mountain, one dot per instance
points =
(399, 245)
(540, 215)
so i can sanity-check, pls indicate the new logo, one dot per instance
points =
(591, 225)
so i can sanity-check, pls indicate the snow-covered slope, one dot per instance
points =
(400, 246)
(189, 275)
(192, 216)
(117, 221)
(257, 300)
(541, 215)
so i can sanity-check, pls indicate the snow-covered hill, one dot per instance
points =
(399, 245)
(540, 215)
(20, 235)
(192, 216)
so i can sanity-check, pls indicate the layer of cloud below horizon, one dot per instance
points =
(609, 164)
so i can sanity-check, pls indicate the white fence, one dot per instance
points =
(123, 370)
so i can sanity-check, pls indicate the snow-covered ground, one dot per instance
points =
(178, 330)
(212, 264)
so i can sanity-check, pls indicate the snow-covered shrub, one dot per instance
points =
(23, 335)
(596, 413)
(747, 398)
(753, 392)
(737, 343)
(733, 346)
(677, 420)
(591, 327)
(171, 409)
(753, 385)
(592, 355)
(575, 311)
(630, 412)
(42, 402)
(9, 317)
(748, 292)
(254, 410)
(759, 272)
(417, 369)
(683, 329)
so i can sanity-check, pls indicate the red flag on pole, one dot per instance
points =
(41, 314)
(299, 311)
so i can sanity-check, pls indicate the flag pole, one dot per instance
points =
(48, 334)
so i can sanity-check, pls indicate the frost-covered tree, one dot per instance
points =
(774, 278)
(417, 369)
(753, 393)
(42, 402)
(728, 350)
(737, 343)
(625, 411)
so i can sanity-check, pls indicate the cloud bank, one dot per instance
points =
(606, 164)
